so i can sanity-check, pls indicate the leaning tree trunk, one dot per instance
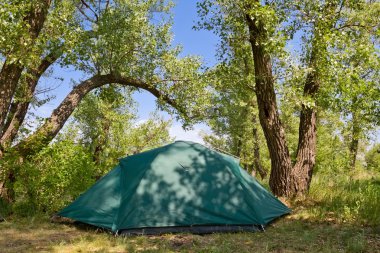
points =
(9, 76)
(280, 177)
(20, 108)
(307, 131)
(43, 135)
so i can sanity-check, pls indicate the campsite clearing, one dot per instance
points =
(286, 235)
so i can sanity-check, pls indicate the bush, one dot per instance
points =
(372, 158)
(53, 178)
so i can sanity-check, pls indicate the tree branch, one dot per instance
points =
(60, 115)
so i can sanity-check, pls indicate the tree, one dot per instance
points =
(356, 71)
(265, 27)
(28, 21)
(118, 42)
(31, 43)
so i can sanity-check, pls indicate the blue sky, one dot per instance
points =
(201, 43)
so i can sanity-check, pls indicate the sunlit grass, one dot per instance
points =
(343, 199)
(286, 235)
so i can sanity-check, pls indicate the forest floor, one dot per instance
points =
(339, 215)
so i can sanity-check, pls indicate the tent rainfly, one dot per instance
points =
(180, 187)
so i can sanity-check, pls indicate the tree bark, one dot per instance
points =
(257, 166)
(11, 71)
(7, 192)
(286, 180)
(11, 113)
(280, 177)
(307, 132)
(307, 137)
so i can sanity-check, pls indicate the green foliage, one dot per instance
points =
(60, 172)
(134, 39)
(333, 152)
(16, 43)
(53, 178)
(372, 158)
(109, 128)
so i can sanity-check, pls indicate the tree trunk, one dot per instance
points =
(280, 177)
(7, 192)
(16, 118)
(286, 180)
(354, 141)
(11, 71)
(21, 107)
(11, 113)
(9, 76)
(306, 151)
(257, 166)
(307, 131)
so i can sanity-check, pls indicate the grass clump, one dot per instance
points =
(343, 199)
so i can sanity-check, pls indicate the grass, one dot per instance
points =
(341, 214)
(286, 235)
(343, 199)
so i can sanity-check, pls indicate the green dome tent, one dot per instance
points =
(180, 187)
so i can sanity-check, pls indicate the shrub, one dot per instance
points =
(53, 177)
(372, 158)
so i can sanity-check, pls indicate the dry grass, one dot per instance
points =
(287, 235)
